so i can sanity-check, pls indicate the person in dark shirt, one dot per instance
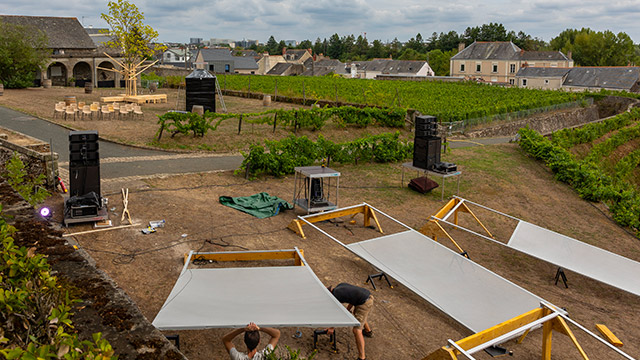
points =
(362, 300)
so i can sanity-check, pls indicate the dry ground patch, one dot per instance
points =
(405, 326)
(142, 132)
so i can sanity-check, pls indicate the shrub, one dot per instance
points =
(30, 188)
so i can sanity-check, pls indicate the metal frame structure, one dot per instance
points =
(365, 209)
(456, 205)
(290, 296)
(546, 315)
(302, 173)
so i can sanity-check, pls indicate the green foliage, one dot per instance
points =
(22, 53)
(586, 177)
(280, 157)
(146, 78)
(131, 36)
(567, 138)
(35, 311)
(30, 188)
(314, 118)
(596, 48)
(445, 100)
(291, 355)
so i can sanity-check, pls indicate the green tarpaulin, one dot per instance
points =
(261, 205)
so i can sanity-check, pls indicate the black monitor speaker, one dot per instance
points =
(426, 152)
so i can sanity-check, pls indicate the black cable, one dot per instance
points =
(182, 188)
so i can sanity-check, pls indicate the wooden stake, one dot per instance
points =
(98, 230)
(125, 202)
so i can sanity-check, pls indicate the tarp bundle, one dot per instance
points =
(261, 205)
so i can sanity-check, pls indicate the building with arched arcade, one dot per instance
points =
(74, 55)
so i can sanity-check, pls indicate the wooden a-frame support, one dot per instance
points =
(433, 228)
(366, 210)
(549, 319)
(297, 256)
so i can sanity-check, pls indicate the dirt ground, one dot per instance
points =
(405, 326)
(142, 132)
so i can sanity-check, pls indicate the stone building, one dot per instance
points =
(74, 55)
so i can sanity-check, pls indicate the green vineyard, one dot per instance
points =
(601, 161)
(447, 101)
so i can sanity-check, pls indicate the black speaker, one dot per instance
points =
(426, 152)
(84, 163)
(426, 126)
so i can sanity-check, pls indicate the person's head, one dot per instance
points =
(251, 339)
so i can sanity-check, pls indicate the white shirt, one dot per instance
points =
(260, 355)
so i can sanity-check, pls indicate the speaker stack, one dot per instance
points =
(427, 143)
(84, 163)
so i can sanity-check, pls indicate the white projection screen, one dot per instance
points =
(577, 256)
(472, 295)
(283, 296)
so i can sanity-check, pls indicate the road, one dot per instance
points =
(122, 162)
(118, 161)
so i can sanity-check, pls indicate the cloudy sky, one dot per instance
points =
(179, 20)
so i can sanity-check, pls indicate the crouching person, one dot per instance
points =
(362, 300)
(251, 340)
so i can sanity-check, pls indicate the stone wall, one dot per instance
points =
(36, 157)
(168, 71)
(103, 306)
(549, 122)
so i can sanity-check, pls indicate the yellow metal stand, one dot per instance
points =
(522, 322)
(296, 224)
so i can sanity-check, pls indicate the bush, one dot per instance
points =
(283, 156)
(35, 311)
(29, 188)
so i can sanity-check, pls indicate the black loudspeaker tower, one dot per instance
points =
(201, 90)
(426, 145)
(426, 152)
(84, 163)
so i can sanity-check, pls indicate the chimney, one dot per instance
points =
(569, 54)
(284, 50)
(461, 46)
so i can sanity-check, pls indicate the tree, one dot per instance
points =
(135, 40)
(439, 61)
(334, 50)
(416, 44)
(272, 46)
(377, 50)
(281, 46)
(22, 52)
(305, 44)
(591, 48)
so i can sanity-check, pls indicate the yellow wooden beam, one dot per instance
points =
(296, 224)
(500, 329)
(608, 334)
(547, 333)
(249, 256)
(477, 220)
(559, 322)
(446, 208)
(444, 353)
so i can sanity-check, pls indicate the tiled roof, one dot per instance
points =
(279, 68)
(388, 66)
(62, 32)
(543, 55)
(216, 54)
(244, 62)
(497, 50)
(603, 77)
(542, 72)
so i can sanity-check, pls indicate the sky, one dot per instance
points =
(180, 20)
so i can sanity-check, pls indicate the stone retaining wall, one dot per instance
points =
(36, 157)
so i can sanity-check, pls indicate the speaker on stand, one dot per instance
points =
(427, 143)
(85, 201)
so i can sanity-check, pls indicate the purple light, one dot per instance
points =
(44, 212)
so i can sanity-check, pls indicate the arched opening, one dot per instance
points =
(57, 72)
(82, 73)
(106, 78)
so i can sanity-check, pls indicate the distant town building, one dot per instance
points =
(291, 43)
(177, 57)
(221, 60)
(500, 61)
(247, 43)
(221, 42)
(195, 41)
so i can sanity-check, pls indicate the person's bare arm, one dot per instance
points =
(274, 333)
(228, 339)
